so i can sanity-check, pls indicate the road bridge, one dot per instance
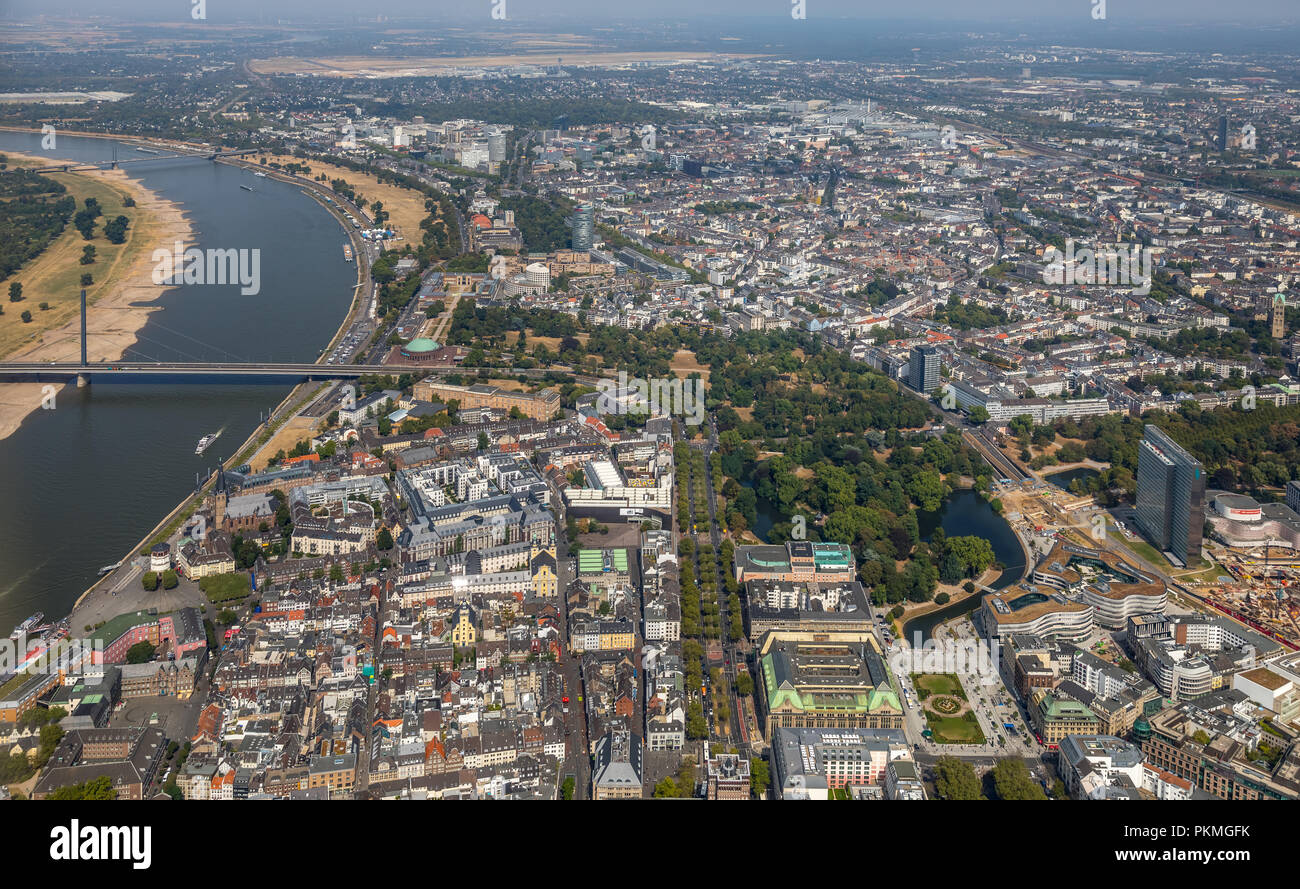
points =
(186, 372)
(74, 166)
(239, 371)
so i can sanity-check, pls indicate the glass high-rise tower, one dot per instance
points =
(584, 227)
(1170, 496)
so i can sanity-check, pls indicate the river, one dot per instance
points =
(83, 483)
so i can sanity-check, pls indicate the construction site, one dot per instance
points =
(1256, 584)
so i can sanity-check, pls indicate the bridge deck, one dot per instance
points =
(74, 166)
(38, 372)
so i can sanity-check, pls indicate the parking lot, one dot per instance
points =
(346, 349)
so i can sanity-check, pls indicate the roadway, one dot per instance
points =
(241, 372)
(734, 656)
(1003, 464)
(153, 371)
(577, 744)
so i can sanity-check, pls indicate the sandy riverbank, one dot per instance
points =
(118, 312)
(404, 206)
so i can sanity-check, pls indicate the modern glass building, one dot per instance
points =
(584, 227)
(1170, 496)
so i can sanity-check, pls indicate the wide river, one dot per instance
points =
(82, 484)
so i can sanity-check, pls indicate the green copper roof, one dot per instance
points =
(780, 689)
(593, 560)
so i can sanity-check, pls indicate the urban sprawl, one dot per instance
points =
(651, 495)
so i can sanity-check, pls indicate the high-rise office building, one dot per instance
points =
(923, 368)
(1223, 133)
(1170, 496)
(584, 227)
(496, 146)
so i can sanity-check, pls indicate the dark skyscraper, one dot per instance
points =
(1223, 133)
(923, 369)
(1170, 496)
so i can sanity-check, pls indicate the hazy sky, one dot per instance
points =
(992, 12)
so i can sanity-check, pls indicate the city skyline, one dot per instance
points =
(546, 401)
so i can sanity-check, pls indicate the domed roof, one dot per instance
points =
(421, 344)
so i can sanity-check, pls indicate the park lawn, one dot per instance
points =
(954, 729)
(1150, 553)
(1139, 547)
(54, 277)
(938, 684)
(225, 587)
(1209, 575)
(288, 434)
(684, 363)
(550, 342)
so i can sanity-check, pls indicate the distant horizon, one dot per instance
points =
(948, 14)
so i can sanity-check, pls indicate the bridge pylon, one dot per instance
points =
(83, 327)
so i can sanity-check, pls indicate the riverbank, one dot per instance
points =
(404, 206)
(127, 451)
(117, 591)
(119, 302)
